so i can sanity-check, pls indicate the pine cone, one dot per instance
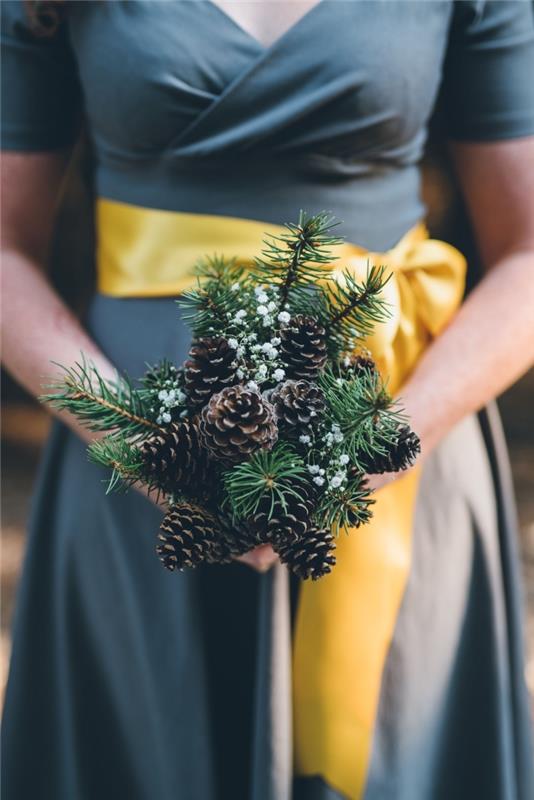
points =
(303, 347)
(210, 367)
(274, 523)
(401, 455)
(175, 458)
(236, 423)
(298, 405)
(312, 556)
(186, 536)
(232, 540)
(360, 363)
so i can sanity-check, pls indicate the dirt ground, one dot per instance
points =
(24, 429)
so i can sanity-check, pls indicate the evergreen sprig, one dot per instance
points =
(223, 288)
(297, 258)
(278, 473)
(100, 404)
(347, 507)
(355, 307)
(366, 414)
(122, 457)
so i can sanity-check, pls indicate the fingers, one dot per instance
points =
(261, 558)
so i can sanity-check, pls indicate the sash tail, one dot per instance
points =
(344, 622)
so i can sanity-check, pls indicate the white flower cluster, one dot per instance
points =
(262, 357)
(334, 473)
(333, 436)
(318, 474)
(337, 472)
(169, 399)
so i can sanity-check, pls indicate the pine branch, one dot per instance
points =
(279, 473)
(100, 404)
(355, 308)
(298, 257)
(121, 457)
(368, 417)
(348, 507)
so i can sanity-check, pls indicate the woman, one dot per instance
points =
(130, 683)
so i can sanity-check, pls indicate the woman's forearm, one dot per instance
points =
(488, 345)
(38, 329)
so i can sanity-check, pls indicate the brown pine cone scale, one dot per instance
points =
(298, 405)
(175, 458)
(312, 556)
(186, 537)
(236, 423)
(303, 347)
(400, 456)
(210, 367)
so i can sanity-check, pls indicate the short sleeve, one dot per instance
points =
(41, 98)
(488, 82)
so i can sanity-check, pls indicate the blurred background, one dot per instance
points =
(25, 424)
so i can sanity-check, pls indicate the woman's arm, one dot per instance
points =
(37, 327)
(490, 342)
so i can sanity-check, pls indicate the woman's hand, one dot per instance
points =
(261, 558)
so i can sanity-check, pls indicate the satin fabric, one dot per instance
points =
(345, 622)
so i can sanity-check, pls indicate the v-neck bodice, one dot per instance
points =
(289, 19)
(189, 112)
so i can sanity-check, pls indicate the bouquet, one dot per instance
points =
(266, 432)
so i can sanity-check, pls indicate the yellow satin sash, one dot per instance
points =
(345, 621)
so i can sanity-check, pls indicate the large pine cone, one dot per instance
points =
(400, 456)
(186, 536)
(210, 367)
(303, 347)
(175, 458)
(272, 523)
(312, 556)
(236, 423)
(298, 405)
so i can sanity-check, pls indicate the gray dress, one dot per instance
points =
(126, 681)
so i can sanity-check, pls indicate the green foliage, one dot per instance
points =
(355, 307)
(297, 258)
(277, 473)
(346, 507)
(101, 405)
(122, 457)
(159, 376)
(366, 414)
(223, 288)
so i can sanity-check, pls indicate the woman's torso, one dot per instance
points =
(190, 112)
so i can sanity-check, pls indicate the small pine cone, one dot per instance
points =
(274, 523)
(303, 347)
(186, 537)
(210, 367)
(176, 458)
(401, 455)
(236, 423)
(312, 556)
(232, 540)
(360, 363)
(298, 405)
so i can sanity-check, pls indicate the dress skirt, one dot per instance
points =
(132, 682)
